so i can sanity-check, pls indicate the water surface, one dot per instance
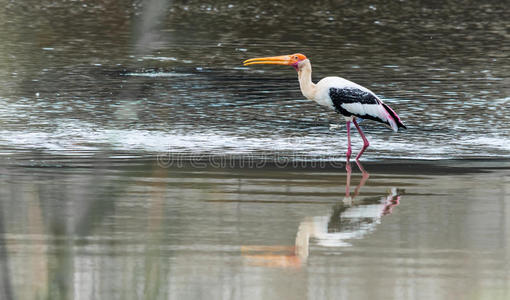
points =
(131, 229)
(161, 76)
(140, 160)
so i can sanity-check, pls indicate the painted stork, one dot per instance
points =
(347, 98)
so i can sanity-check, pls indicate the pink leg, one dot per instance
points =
(363, 172)
(348, 179)
(365, 141)
(364, 178)
(363, 181)
(349, 150)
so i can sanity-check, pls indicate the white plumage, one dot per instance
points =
(346, 97)
(376, 110)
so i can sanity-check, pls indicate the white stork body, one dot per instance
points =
(347, 98)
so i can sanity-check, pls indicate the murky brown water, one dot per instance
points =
(82, 228)
(120, 122)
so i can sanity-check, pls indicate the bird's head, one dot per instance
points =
(288, 60)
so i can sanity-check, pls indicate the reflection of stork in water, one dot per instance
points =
(350, 219)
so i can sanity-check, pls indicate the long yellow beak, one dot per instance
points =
(271, 60)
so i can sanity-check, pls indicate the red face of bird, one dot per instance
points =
(288, 60)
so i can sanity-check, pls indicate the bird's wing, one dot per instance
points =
(354, 101)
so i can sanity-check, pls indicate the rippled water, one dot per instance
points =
(161, 77)
(140, 160)
(103, 228)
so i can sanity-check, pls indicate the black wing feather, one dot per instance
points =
(353, 95)
(349, 95)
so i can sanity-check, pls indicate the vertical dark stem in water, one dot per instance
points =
(5, 284)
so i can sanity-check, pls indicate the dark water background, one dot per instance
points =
(118, 118)
(159, 76)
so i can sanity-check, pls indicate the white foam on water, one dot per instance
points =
(74, 136)
(160, 58)
(484, 141)
(158, 74)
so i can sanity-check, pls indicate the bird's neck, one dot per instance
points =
(305, 80)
